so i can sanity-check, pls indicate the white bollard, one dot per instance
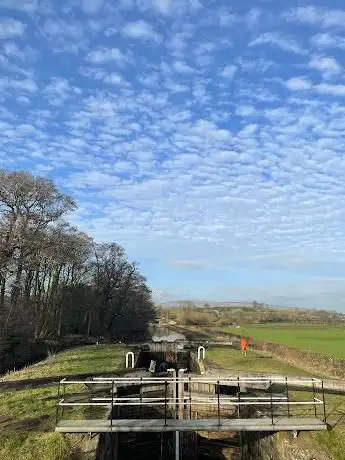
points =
(201, 351)
(130, 353)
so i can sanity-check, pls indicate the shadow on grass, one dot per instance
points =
(15, 385)
(26, 424)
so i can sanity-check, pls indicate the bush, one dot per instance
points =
(194, 318)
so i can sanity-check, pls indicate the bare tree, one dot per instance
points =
(54, 279)
(27, 206)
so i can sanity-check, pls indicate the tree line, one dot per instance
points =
(54, 279)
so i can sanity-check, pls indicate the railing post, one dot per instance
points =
(239, 397)
(165, 403)
(141, 397)
(58, 402)
(314, 397)
(271, 402)
(190, 398)
(112, 405)
(64, 396)
(287, 396)
(324, 403)
(201, 352)
(130, 354)
(218, 402)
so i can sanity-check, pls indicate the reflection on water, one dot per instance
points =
(163, 334)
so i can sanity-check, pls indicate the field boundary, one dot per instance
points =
(311, 361)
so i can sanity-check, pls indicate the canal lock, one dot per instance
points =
(162, 446)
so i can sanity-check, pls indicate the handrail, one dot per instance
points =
(136, 380)
(194, 397)
(192, 403)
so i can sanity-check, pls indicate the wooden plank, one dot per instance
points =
(158, 425)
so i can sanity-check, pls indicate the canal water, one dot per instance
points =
(163, 334)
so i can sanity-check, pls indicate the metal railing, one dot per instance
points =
(182, 392)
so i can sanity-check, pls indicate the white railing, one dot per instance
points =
(188, 397)
(186, 379)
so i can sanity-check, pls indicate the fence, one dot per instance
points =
(168, 395)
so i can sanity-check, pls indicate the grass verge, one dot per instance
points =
(232, 359)
(27, 417)
(81, 360)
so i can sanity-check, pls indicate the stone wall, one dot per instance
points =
(281, 446)
(261, 446)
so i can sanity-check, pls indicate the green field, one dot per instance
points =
(323, 339)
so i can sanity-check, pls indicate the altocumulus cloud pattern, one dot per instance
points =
(206, 138)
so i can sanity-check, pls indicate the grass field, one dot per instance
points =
(27, 417)
(232, 359)
(320, 338)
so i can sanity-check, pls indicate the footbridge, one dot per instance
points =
(181, 402)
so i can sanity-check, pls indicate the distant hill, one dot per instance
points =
(207, 303)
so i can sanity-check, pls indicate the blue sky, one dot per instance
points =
(207, 138)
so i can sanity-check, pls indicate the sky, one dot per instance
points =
(206, 137)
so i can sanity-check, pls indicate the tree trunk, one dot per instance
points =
(2, 291)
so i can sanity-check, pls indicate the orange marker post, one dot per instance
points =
(244, 345)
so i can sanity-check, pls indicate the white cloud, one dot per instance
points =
(245, 110)
(284, 43)
(63, 33)
(334, 18)
(334, 90)
(27, 6)
(24, 84)
(101, 55)
(164, 7)
(140, 30)
(176, 87)
(114, 79)
(11, 28)
(168, 156)
(313, 15)
(325, 65)
(326, 40)
(298, 84)
(305, 14)
(170, 7)
(228, 71)
(24, 53)
(182, 67)
(58, 91)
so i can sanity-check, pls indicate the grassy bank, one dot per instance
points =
(81, 360)
(27, 417)
(331, 443)
(232, 359)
